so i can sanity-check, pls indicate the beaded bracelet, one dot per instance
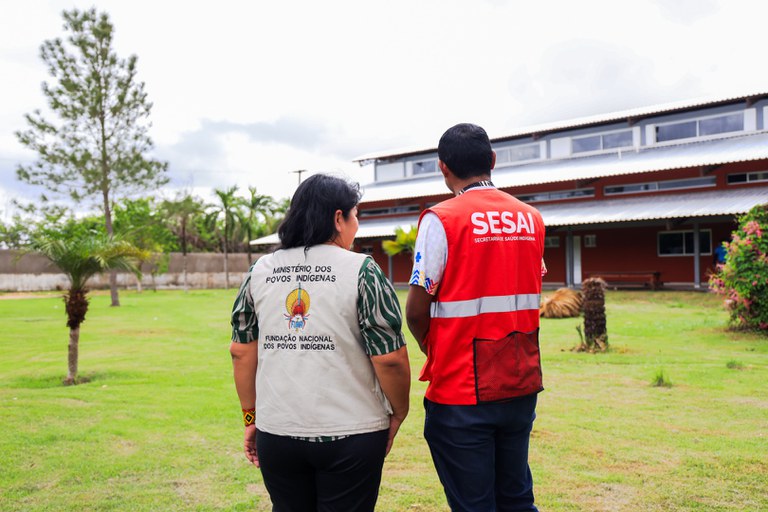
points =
(249, 416)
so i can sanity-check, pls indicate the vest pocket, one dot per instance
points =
(507, 368)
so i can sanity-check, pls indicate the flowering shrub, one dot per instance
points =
(743, 278)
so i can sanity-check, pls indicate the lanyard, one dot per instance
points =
(483, 183)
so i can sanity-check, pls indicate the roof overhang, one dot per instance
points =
(376, 228)
(655, 207)
(703, 154)
(699, 205)
(630, 116)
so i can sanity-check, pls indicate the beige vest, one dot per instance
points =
(313, 376)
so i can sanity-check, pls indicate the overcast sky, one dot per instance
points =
(246, 92)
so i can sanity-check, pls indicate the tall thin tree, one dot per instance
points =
(98, 145)
(180, 213)
(223, 216)
(258, 208)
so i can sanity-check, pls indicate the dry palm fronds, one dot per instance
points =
(564, 303)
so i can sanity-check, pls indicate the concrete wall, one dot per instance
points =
(32, 272)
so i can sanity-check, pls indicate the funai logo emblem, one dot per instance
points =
(297, 306)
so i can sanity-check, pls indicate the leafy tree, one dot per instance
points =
(743, 278)
(206, 235)
(257, 209)
(180, 214)
(96, 148)
(139, 222)
(404, 241)
(81, 257)
(273, 219)
(45, 220)
(222, 217)
(13, 234)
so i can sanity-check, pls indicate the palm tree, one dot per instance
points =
(225, 212)
(180, 213)
(80, 258)
(257, 206)
(595, 331)
(404, 241)
(273, 219)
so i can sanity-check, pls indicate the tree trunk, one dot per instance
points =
(107, 208)
(595, 331)
(226, 266)
(184, 253)
(74, 342)
(113, 288)
(184, 271)
(113, 273)
(248, 247)
(76, 305)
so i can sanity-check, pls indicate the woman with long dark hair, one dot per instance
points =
(320, 363)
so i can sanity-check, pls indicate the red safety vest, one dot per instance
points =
(482, 343)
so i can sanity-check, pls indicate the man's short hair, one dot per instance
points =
(466, 150)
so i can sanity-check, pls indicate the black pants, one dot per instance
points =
(335, 476)
(481, 453)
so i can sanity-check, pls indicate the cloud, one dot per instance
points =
(687, 11)
(583, 77)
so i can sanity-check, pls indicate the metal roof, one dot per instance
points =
(658, 158)
(266, 240)
(652, 207)
(671, 206)
(374, 228)
(622, 115)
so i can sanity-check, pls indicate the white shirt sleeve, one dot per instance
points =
(430, 254)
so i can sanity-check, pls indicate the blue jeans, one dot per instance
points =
(481, 453)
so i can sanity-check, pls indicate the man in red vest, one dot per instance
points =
(473, 307)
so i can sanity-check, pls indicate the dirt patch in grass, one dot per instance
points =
(612, 497)
(760, 403)
(28, 295)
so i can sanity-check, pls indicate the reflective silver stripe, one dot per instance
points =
(494, 304)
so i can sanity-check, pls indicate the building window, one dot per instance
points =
(601, 142)
(557, 195)
(514, 154)
(389, 210)
(424, 167)
(389, 172)
(722, 124)
(700, 127)
(551, 242)
(680, 243)
(366, 249)
(617, 140)
(590, 240)
(749, 177)
(651, 186)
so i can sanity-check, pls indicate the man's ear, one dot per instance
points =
(443, 168)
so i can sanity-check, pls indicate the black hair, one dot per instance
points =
(310, 219)
(466, 150)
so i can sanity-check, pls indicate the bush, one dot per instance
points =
(660, 380)
(743, 278)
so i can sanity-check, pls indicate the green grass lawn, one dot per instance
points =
(158, 425)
